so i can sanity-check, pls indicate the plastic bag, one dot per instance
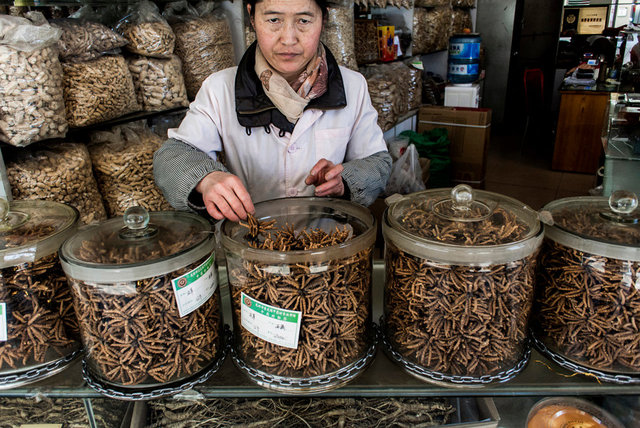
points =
(147, 31)
(406, 174)
(84, 38)
(431, 29)
(203, 42)
(31, 95)
(338, 34)
(384, 95)
(59, 172)
(434, 145)
(397, 146)
(366, 39)
(98, 90)
(122, 160)
(158, 82)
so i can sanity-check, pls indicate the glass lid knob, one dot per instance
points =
(136, 217)
(136, 224)
(462, 206)
(462, 196)
(10, 219)
(623, 202)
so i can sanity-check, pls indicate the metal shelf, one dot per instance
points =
(383, 378)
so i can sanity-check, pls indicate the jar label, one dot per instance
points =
(194, 288)
(3, 322)
(278, 326)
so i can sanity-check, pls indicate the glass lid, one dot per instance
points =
(613, 220)
(31, 229)
(599, 225)
(462, 217)
(141, 243)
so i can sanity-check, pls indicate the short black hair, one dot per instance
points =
(322, 4)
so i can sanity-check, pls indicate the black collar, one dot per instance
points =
(254, 108)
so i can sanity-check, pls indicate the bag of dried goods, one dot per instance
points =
(84, 38)
(338, 34)
(158, 82)
(31, 99)
(59, 172)
(366, 38)
(147, 31)
(384, 95)
(98, 90)
(122, 160)
(203, 42)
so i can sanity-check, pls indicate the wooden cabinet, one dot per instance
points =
(578, 146)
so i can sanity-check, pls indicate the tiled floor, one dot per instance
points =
(523, 171)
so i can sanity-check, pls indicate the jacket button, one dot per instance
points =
(292, 148)
(292, 192)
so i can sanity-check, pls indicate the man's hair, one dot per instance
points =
(322, 4)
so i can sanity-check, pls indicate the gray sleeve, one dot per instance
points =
(178, 168)
(367, 177)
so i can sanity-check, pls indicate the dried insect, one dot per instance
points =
(458, 319)
(334, 300)
(138, 337)
(41, 322)
(588, 307)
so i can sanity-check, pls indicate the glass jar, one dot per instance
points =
(38, 326)
(588, 303)
(460, 270)
(302, 317)
(147, 299)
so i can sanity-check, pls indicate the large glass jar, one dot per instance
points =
(147, 300)
(302, 317)
(460, 270)
(588, 303)
(38, 326)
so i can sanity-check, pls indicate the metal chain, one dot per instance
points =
(580, 369)
(49, 369)
(455, 379)
(345, 373)
(159, 392)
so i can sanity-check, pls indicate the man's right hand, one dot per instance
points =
(225, 196)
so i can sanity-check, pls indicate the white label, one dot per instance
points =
(41, 426)
(194, 288)
(3, 322)
(278, 326)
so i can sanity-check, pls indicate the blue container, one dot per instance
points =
(464, 58)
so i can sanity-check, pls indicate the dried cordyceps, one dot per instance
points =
(500, 227)
(299, 412)
(459, 320)
(41, 322)
(588, 306)
(466, 318)
(334, 299)
(132, 331)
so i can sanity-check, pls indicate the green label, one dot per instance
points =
(270, 311)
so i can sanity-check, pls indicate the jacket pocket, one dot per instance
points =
(331, 144)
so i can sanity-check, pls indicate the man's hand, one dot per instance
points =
(327, 178)
(225, 196)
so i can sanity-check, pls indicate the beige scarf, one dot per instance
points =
(292, 99)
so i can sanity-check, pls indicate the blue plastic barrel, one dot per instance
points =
(464, 58)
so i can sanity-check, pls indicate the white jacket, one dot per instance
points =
(273, 166)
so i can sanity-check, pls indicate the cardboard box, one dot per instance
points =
(469, 133)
